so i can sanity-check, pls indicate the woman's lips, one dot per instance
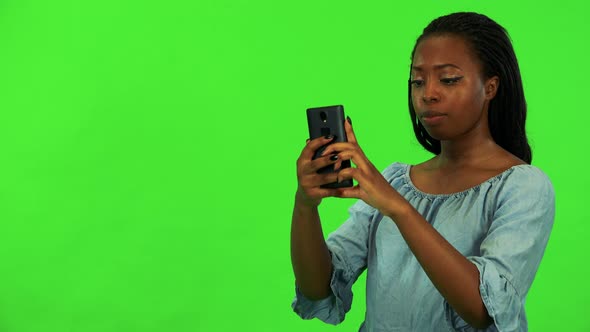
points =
(432, 118)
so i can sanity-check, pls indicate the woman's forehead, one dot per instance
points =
(447, 51)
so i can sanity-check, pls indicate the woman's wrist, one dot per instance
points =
(398, 208)
(304, 201)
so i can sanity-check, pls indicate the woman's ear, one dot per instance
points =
(491, 86)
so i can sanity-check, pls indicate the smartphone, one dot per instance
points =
(323, 121)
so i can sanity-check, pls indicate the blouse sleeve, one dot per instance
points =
(348, 248)
(511, 252)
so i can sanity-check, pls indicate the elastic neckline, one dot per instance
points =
(409, 182)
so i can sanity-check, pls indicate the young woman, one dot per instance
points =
(452, 243)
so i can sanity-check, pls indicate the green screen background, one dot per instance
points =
(148, 151)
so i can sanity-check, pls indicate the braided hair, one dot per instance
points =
(492, 46)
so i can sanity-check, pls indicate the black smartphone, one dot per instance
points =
(323, 121)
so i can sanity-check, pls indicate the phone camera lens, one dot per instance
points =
(323, 116)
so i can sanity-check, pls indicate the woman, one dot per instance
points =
(452, 243)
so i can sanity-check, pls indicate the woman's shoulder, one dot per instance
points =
(395, 170)
(513, 171)
(526, 177)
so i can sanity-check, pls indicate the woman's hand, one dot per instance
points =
(372, 187)
(309, 181)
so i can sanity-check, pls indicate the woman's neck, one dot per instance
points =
(464, 153)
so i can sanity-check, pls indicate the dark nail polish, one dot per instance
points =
(349, 120)
(334, 157)
(328, 137)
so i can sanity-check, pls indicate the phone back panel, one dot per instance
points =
(323, 121)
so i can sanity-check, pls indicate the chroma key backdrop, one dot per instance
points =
(148, 148)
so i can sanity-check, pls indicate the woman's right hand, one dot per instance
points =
(309, 181)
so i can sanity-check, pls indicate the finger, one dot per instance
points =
(324, 161)
(313, 145)
(315, 194)
(337, 147)
(307, 141)
(349, 192)
(315, 180)
(330, 192)
(328, 178)
(356, 157)
(321, 162)
(337, 164)
(313, 166)
(350, 136)
(347, 174)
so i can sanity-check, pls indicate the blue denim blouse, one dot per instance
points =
(501, 225)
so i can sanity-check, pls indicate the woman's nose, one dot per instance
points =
(430, 93)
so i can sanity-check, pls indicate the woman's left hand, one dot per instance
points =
(372, 187)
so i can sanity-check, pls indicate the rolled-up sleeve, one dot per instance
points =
(348, 247)
(511, 252)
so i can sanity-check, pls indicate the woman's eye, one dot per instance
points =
(451, 80)
(417, 83)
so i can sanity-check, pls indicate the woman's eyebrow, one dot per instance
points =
(437, 67)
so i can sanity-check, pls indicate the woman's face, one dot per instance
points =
(449, 94)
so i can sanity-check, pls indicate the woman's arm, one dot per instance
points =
(455, 277)
(310, 257)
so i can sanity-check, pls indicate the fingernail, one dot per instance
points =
(349, 120)
(328, 137)
(334, 157)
